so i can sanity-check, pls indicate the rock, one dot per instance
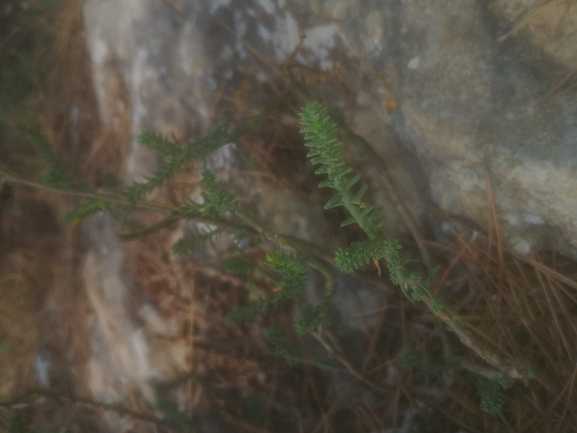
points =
(122, 352)
(469, 113)
(549, 25)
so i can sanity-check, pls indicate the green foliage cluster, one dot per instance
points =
(176, 156)
(292, 268)
(195, 238)
(312, 319)
(287, 266)
(293, 272)
(25, 35)
(491, 393)
(19, 423)
(253, 308)
(327, 152)
(239, 266)
(427, 367)
(57, 176)
(357, 255)
(287, 349)
(215, 200)
(490, 390)
(283, 347)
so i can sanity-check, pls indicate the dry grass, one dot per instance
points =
(553, 19)
(552, 14)
(525, 309)
(29, 233)
(70, 118)
(42, 310)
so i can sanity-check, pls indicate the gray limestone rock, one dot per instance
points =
(470, 115)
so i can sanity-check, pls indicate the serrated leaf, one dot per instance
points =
(311, 319)
(86, 209)
(351, 182)
(315, 158)
(348, 222)
(336, 201)
(367, 210)
(326, 183)
(359, 195)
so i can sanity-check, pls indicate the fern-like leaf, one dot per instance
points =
(56, 176)
(197, 237)
(293, 269)
(249, 311)
(311, 319)
(85, 209)
(169, 147)
(357, 254)
(283, 347)
(241, 267)
(216, 201)
(176, 156)
(327, 152)
(491, 394)
(252, 309)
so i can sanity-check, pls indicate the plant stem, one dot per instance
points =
(64, 398)
(330, 344)
(106, 197)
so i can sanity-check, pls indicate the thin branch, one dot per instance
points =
(106, 197)
(330, 343)
(65, 398)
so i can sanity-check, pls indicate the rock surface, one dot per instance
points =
(470, 113)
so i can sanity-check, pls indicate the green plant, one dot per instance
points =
(426, 367)
(25, 34)
(289, 260)
(327, 152)
(490, 389)
(20, 423)
(491, 393)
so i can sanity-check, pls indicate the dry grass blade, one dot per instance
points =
(524, 306)
(553, 8)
